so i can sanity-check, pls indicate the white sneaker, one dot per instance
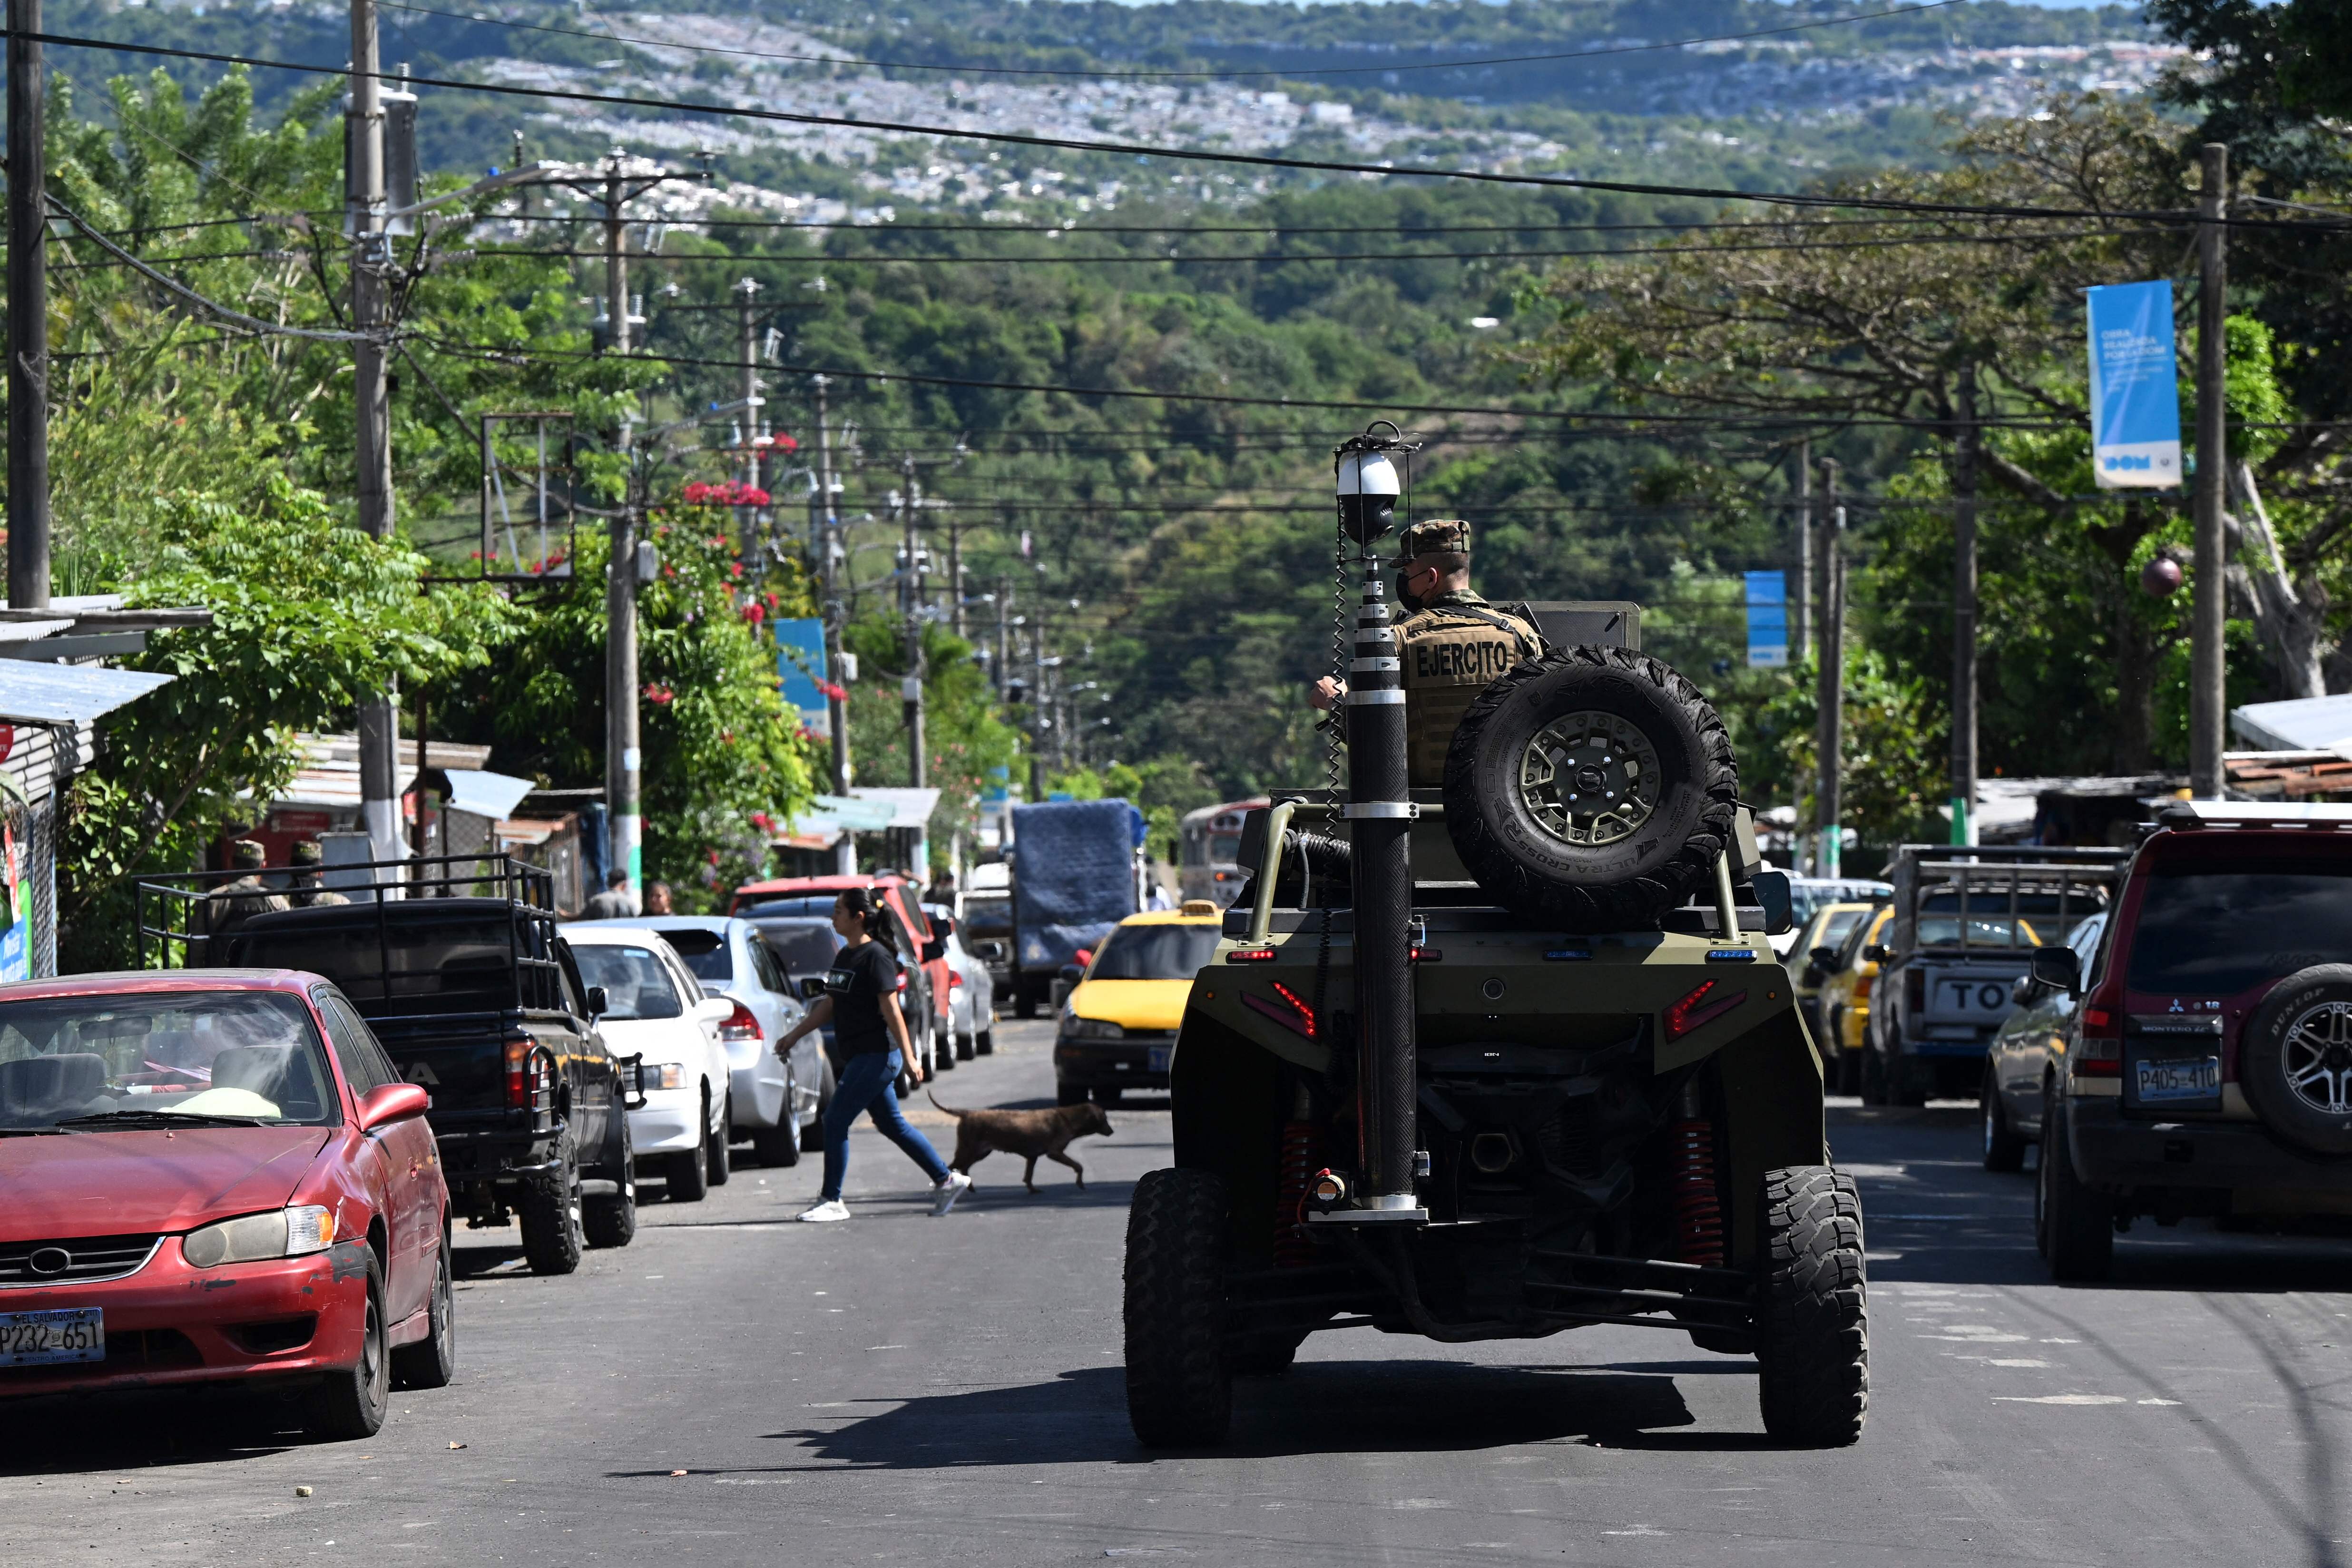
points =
(826, 1213)
(945, 1193)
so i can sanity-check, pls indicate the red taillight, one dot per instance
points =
(1250, 955)
(954, 980)
(1695, 1009)
(1298, 1017)
(740, 1025)
(1862, 987)
(2100, 1051)
(519, 1070)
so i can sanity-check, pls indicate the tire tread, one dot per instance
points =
(1813, 1322)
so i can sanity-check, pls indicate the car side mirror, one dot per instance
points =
(629, 1078)
(1772, 891)
(810, 986)
(1824, 959)
(600, 1001)
(393, 1102)
(2022, 990)
(1071, 974)
(1812, 977)
(935, 950)
(714, 1009)
(1874, 953)
(2058, 968)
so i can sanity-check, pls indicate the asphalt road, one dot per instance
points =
(734, 1388)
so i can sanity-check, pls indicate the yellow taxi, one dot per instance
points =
(1827, 927)
(1117, 1027)
(1843, 1002)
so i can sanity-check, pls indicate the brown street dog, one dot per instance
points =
(1031, 1134)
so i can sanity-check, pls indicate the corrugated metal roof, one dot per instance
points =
(68, 693)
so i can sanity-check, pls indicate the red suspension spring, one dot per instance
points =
(1698, 1210)
(1302, 1156)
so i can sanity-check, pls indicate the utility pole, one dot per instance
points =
(29, 314)
(825, 524)
(1830, 736)
(1038, 722)
(955, 575)
(2209, 608)
(1964, 614)
(379, 714)
(910, 603)
(747, 293)
(1799, 622)
(1004, 631)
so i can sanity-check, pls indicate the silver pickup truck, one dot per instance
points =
(1966, 920)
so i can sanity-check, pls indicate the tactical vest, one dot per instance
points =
(1452, 651)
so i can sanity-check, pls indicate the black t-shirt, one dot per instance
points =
(861, 979)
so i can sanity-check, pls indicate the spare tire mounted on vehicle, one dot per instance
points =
(1590, 789)
(2295, 1060)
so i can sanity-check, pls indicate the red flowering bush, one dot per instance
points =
(726, 493)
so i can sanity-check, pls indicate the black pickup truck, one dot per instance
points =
(475, 997)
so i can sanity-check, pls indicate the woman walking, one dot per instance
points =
(870, 1043)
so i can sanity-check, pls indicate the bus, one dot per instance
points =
(1209, 843)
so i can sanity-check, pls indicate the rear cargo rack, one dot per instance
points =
(185, 920)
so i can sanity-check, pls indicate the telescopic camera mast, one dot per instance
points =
(1380, 812)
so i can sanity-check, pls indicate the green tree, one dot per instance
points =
(308, 616)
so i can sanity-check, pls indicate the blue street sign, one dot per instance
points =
(800, 662)
(1767, 620)
(2135, 387)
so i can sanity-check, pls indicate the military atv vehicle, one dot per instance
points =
(1501, 1059)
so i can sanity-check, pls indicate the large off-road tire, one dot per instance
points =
(2003, 1149)
(2295, 1060)
(2073, 1225)
(547, 1210)
(1813, 1327)
(1180, 1384)
(610, 1219)
(432, 1361)
(1590, 789)
(350, 1403)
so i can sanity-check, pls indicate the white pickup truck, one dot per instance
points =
(1966, 920)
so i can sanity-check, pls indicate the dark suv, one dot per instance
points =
(2208, 1068)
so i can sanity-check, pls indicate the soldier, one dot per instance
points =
(234, 903)
(307, 857)
(1452, 643)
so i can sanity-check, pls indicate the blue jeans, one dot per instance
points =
(871, 1082)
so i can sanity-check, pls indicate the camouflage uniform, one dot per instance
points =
(1453, 648)
(307, 856)
(232, 904)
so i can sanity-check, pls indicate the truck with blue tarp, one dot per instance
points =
(1076, 874)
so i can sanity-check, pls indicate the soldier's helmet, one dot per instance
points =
(1436, 536)
(308, 854)
(248, 854)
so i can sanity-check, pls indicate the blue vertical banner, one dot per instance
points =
(1767, 620)
(800, 664)
(2135, 387)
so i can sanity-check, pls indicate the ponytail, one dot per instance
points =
(872, 914)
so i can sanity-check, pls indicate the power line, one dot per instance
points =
(1075, 229)
(1791, 421)
(1144, 75)
(1187, 155)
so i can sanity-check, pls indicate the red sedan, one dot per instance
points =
(212, 1176)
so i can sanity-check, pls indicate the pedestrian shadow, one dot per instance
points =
(1054, 1192)
(1321, 1407)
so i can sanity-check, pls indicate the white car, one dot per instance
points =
(776, 1100)
(972, 993)
(656, 1010)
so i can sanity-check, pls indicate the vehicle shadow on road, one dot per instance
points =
(192, 1426)
(1321, 1407)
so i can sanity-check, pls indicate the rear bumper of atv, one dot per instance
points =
(2143, 1159)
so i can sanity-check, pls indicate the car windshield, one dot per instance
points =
(1224, 848)
(1945, 931)
(127, 1058)
(991, 916)
(802, 946)
(1154, 953)
(706, 953)
(1839, 926)
(769, 909)
(635, 984)
(2220, 932)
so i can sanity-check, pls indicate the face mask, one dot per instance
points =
(1405, 597)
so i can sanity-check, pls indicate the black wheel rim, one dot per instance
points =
(1590, 779)
(372, 1357)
